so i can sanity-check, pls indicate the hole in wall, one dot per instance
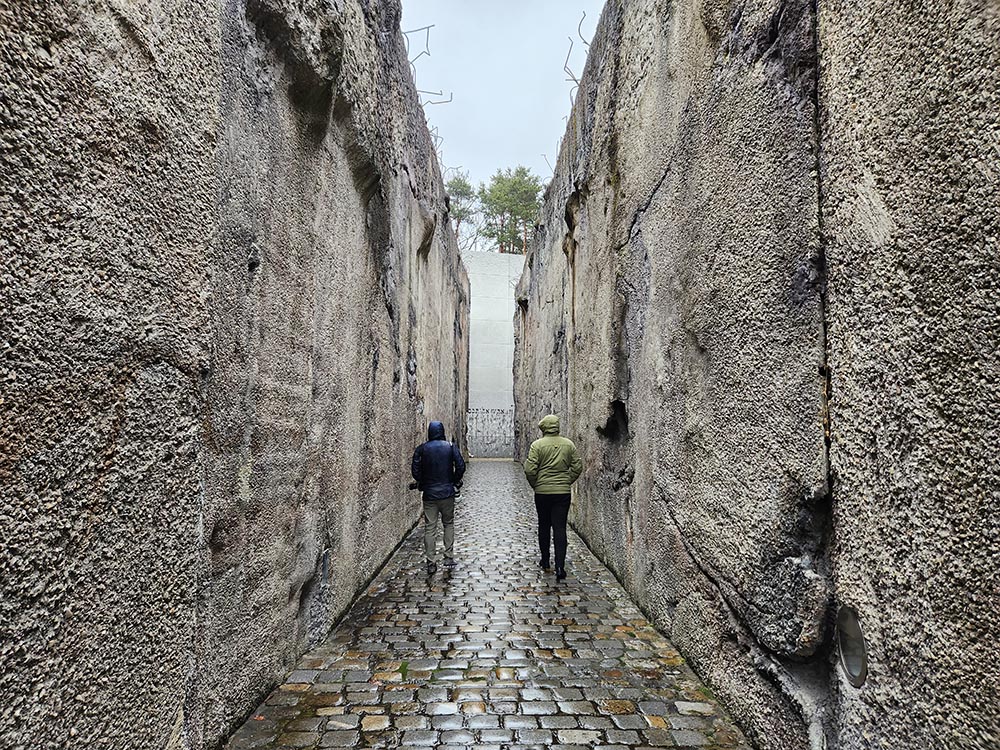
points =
(571, 210)
(558, 341)
(616, 428)
(225, 533)
(522, 306)
(427, 238)
(852, 647)
(253, 260)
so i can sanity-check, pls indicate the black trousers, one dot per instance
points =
(552, 513)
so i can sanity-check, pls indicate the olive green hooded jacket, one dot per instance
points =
(553, 463)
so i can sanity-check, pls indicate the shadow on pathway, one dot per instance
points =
(493, 654)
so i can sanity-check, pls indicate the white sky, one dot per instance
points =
(503, 60)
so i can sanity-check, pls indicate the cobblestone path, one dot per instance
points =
(493, 654)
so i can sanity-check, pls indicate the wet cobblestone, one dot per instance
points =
(494, 654)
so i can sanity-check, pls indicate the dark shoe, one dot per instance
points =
(560, 573)
(449, 562)
(431, 567)
(544, 564)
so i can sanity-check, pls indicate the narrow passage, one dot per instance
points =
(492, 654)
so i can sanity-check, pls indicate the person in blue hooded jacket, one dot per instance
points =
(437, 467)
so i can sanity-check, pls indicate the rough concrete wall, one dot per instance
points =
(229, 304)
(673, 293)
(673, 310)
(911, 213)
(108, 119)
(336, 310)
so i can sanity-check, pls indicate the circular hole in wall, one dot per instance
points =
(851, 643)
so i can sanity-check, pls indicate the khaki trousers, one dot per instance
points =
(432, 509)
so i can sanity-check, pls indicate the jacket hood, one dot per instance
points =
(549, 425)
(435, 431)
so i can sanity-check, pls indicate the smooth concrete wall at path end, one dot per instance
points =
(492, 278)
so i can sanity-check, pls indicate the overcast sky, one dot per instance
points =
(503, 60)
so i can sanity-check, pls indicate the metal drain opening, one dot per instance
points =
(851, 644)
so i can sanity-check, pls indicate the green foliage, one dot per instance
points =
(463, 198)
(464, 210)
(498, 216)
(510, 205)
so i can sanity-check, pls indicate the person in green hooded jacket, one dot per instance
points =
(552, 466)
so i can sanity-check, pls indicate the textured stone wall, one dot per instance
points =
(716, 253)
(911, 216)
(229, 303)
(108, 216)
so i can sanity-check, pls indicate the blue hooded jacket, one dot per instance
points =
(437, 465)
